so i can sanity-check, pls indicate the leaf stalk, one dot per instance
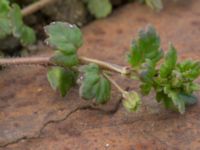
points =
(115, 83)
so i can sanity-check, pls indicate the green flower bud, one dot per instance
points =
(131, 101)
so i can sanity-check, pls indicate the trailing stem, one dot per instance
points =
(47, 61)
(25, 61)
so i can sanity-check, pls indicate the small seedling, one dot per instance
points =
(171, 80)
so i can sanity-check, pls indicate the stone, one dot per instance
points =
(72, 11)
(33, 117)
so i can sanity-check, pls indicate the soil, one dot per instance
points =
(33, 117)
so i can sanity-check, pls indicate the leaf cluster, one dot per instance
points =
(11, 22)
(172, 81)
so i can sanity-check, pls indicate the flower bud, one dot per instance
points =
(131, 101)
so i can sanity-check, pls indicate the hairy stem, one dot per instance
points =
(47, 61)
(25, 61)
(36, 6)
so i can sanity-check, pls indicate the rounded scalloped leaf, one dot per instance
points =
(65, 60)
(94, 85)
(61, 79)
(63, 35)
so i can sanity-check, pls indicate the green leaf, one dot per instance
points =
(131, 101)
(188, 99)
(176, 79)
(145, 88)
(194, 86)
(5, 28)
(4, 7)
(168, 103)
(90, 69)
(65, 60)
(20, 30)
(176, 99)
(154, 4)
(94, 85)
(66, 38)
(89, 86)
(11, 21)
(99, 8)
(61, 79)
(147, 76)
(27, 36)
(190, 87)
(148, 72)
(63, 36)
(103, 90)
(169, 63)
(16, 20)
(189, 69)
(147, 46)
(160, 96)
(178, 102)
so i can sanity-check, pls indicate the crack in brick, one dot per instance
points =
(41, 129)
(84, 107)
